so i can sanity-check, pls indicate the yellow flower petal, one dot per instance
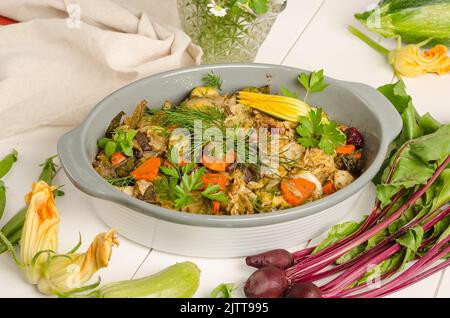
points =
(40, 230)
(68, 272)
(409, 61)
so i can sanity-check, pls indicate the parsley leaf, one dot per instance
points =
(211, 192)
(286, 92)
(313, 83)
(332, 138)
(314, 133)
(189, 183)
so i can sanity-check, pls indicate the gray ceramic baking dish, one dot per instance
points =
(354, 104)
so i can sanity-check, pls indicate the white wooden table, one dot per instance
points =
(310, 34)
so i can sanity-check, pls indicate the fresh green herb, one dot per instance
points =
(122, 182)
(212, 80)
(121, 141)
(7, 162)
(164, 187)
(213, 193)
(313, 83)
(286, 92)
(223, 291)
(314, 133)
(189, 183)
(211, 116)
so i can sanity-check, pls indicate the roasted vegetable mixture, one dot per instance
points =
(316, 156)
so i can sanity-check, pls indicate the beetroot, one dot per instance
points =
(279, 258)
(266, 282)
(304, 290)
(354, 137)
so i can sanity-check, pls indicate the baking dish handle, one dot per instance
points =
(72, 155)
(389, 118)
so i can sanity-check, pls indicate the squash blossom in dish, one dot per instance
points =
(409, 61)
(282, 107)
(65, 273)
(40, 230)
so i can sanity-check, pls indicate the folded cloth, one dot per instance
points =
(65, 56)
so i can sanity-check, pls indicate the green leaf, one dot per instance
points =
(338, 233)
(259, 6)
(223, 291)
(351, 254)
(213, 193)
(428, 124)
(110, 148)
(416, 162)
(443, 186)
(332, 138)
(102, 142)
(288, 93)
(313, 83)
(172, 172)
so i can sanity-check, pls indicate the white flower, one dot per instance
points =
(216, 9)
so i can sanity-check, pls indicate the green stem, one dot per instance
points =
(377, 47)
(11, 250)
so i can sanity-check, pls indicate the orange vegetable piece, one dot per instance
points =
(345, 150)
(117, 158)
(218, 165)
(215, 179)
(358, 155)
(216, 207)
(148, 170)
(329, 188)
(297, 191)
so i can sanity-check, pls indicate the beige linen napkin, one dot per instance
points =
(65, 56)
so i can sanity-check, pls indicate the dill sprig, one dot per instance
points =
(122, 182)
(211, 116)
(212, 80)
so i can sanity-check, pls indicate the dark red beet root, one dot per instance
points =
(279, 258)
(266, 282)
(304, 290)
(354, 137)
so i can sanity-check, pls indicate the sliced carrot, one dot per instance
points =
(216, 207)
(215, 179)
(297, 191)
(329, 188)
(218, 165)
(345, 150)
(358, 155)
(148, 170)
(117, 158)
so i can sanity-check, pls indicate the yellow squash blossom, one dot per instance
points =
(65, 273)
(409, 61)
(40, 230)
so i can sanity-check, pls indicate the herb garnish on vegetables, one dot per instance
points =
(121, 141)
(314, 133)
(212, 80)
(313, 83)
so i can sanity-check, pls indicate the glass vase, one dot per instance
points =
(235, 37)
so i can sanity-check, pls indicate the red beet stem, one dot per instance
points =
(417, 278)
(433, 255)
(311, 266)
